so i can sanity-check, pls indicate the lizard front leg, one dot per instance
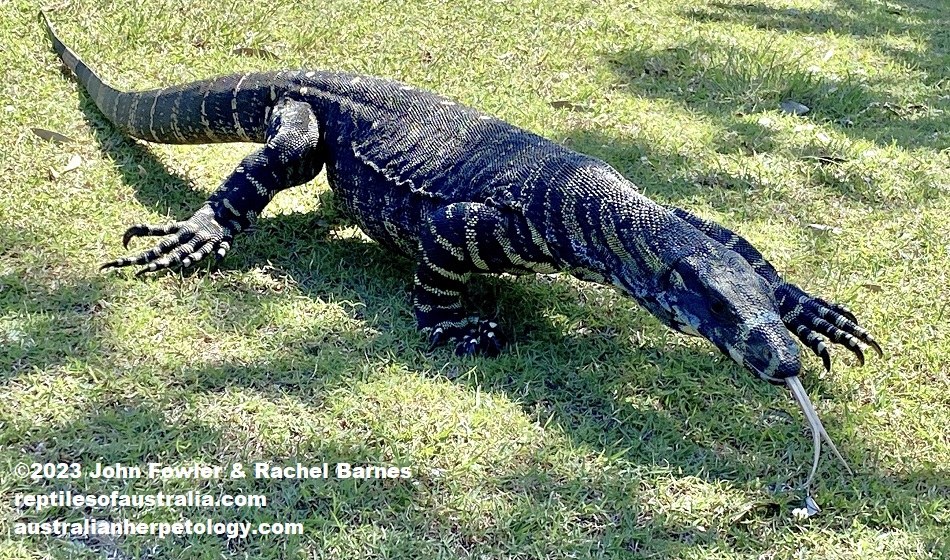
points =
(458, 240)
(289, 157)
(803, 314)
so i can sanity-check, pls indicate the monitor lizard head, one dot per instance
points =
(697, 285)
(713, 292)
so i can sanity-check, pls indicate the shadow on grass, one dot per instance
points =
(923, 20)
(612, 510)
(678, 178)
(572, 378)
(726, 81)
(49, 322)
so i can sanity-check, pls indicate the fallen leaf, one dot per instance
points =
(74, 163)
(51, 136)
(872, 287)
(823, 227)
(564, 104)
(793, 107)
(253, 51)
(827, 159)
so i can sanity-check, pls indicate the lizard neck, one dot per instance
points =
(604, 230)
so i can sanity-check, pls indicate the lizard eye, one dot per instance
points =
(717, 306)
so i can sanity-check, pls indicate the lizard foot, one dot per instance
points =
(187, 243)
(473, 337)
(809, 316)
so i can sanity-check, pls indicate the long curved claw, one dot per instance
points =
(473, 337)
(484, 338)
(187, 243)
(159, 251)
(809, 316)
(840, 336)
(811, 339)
(840, 309)
(844, 326)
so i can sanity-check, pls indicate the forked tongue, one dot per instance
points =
(817, 430)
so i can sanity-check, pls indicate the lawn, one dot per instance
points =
(597, 433)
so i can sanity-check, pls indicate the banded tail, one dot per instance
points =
(226, 109)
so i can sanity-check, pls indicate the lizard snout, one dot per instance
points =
(771, 353)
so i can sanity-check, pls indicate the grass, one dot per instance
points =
(598, 433)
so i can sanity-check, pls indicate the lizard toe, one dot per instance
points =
(490, 339)
(482, 339)
(149, 230)
(468, 346)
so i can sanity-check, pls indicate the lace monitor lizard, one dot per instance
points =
(463, 193)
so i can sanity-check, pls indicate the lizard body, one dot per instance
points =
(463, 193)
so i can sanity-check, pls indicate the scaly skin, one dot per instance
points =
(464, 193)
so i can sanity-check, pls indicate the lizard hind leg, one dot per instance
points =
(290, 157)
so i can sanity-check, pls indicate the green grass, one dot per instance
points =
(598, 433)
